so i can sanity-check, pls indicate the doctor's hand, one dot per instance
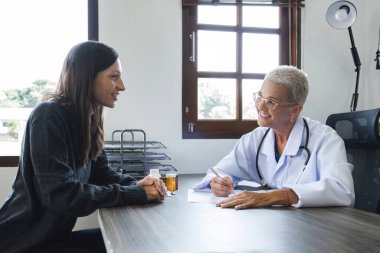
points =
(248, 199)
(221, 187)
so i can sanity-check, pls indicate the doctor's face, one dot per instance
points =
(279, 116)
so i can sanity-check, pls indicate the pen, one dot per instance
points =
(216, 173)
(218, 176)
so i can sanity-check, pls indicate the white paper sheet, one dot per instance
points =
(204, 196)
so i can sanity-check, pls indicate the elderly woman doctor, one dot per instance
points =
(301, 161)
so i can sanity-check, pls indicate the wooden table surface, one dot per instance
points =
(176, 225)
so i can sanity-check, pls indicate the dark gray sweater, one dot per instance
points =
(51, 190)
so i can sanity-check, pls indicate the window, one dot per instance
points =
(36, 36)
(227, 50)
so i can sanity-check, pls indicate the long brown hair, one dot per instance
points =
(75, 92)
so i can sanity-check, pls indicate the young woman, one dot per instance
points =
(63, 171)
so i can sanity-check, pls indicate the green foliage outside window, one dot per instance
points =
(27, 97)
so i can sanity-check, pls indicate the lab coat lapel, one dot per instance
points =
(295, 138)
(268, 145)
(267, 162)
(293, 143)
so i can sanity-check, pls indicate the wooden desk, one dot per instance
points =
(178, 226)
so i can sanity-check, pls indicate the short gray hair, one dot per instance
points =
(294, 79)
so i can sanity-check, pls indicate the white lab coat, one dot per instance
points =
(326, 180)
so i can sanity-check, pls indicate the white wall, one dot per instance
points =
(7, 176)
(326, 57)
(147, 35)
(371, 75)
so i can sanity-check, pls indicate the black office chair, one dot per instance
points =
(360, 132)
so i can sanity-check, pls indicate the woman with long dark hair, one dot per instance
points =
(63, 170)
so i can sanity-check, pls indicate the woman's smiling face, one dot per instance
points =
(108, 85)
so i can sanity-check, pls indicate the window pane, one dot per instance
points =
(217, 15)
(260, 52)
(216, 98)
(36, 36)
(216, 51)
(261, 16)
(249, 86)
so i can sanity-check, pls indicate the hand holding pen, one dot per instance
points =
(221, 186)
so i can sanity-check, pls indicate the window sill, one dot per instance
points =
(9, 161)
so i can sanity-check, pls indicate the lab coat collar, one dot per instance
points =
(294, 141)
(295, 138)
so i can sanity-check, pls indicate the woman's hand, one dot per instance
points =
(221, 187)
(152, 194)
(247, 199)
(153, 186)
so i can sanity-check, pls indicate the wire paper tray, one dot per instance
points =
(132, 145)
(137, 156)
(134, 169)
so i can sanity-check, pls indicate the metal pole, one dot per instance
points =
(355, 56)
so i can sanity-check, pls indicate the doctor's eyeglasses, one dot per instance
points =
(269, 103)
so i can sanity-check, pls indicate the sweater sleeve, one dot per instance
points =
(60, 184)
(102, 174)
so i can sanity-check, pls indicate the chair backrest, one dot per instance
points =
(360, 132)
